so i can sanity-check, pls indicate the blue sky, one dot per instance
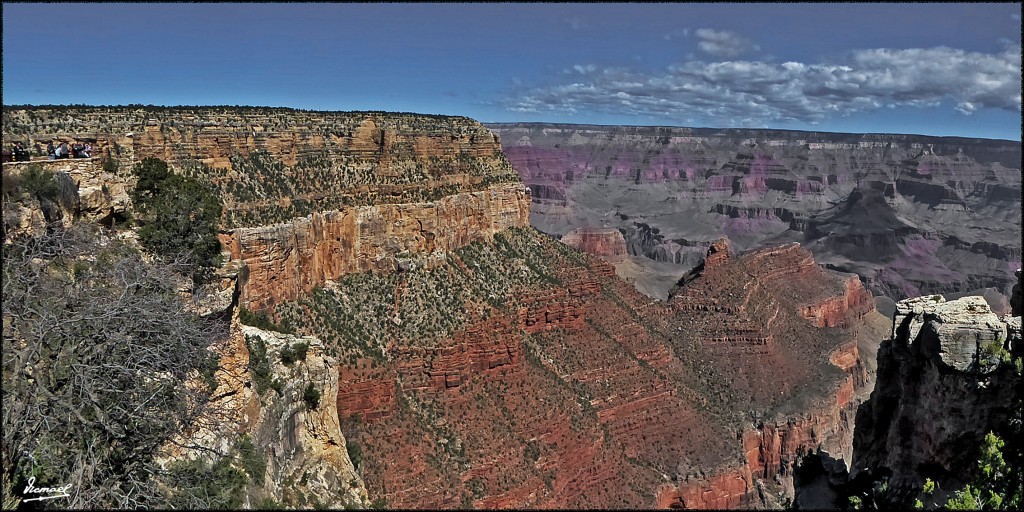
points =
(936, 69)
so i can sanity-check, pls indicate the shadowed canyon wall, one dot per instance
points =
(945, 379)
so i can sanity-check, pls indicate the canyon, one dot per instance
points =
(466, 359)
(911, 215)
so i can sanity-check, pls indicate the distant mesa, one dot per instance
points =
(605, 243)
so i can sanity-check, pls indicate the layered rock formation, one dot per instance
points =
(910, 214)
(588, 395)
(88, 190)
(473, 361)
(307, 196)
(605, 243)
(783, 282)
(945, 379)
(291, 258)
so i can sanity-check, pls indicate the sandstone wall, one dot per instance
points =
(288, 259)
(605, 243)
(308, 196)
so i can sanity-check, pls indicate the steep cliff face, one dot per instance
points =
(307, 196)
(307, 458)
(944, 381)
(291, 258)
(605, 243)
(909, 214)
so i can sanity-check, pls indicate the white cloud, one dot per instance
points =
(758, 92)
(723, 43)
(965, 107)
(677, 34)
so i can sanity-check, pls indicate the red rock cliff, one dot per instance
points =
(755, 318)
(291, 258)
(605, 243)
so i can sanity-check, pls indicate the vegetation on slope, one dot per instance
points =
(357, 316)
(263, 190)
(102, 365)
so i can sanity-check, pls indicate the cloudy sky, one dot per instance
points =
(937, 69)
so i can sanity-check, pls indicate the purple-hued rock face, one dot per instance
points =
(910, 214)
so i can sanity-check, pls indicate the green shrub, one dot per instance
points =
(355, 453)
(996, 484)
(259, 364)
(255, 463)
(217, 486)
(39, 182)
(311, 396)
(477, 486)
(292, 353)
(111, 165)
(260, 320)
(268, 503)
(179, 216)
(532, 451)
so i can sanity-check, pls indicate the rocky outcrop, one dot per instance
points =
(298, 440)
(307, 460)
(288, 259)
(907, 219)
(837, 311)
(219, 295)
(745, 320)
(1017, 298)
(605, 243)
(89, 191)
(944, 380)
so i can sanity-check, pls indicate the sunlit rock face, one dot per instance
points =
(307, 196)
(606, 243)
(910, 214)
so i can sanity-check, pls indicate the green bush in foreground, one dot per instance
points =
(311, 396)
(996, 485)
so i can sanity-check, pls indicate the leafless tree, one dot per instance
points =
(103, 364)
